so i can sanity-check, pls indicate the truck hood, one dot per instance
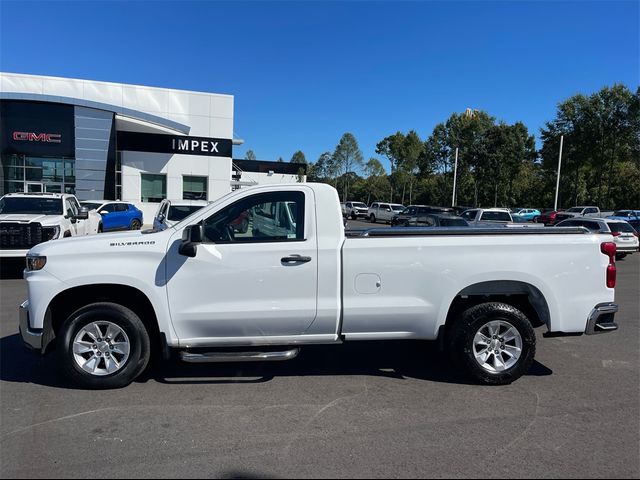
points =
(45, 220)
(104, 243)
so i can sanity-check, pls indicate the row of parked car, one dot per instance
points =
(624, 225)
(27, 219)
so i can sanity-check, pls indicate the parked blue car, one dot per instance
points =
(630, 216)
(116, 215)
(527, 213)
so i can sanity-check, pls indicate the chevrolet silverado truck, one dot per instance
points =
(203, 292)
(27, 219)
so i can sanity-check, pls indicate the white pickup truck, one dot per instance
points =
(211, 294)
(584, 211)
(27, 219)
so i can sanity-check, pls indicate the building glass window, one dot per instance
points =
(20, 173)
(118, 175)
(194, 188)
(154, 187)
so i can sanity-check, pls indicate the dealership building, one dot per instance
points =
(115, 141)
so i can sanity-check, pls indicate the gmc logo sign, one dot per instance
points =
(37, 137)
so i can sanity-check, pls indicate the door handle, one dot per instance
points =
(295, 259)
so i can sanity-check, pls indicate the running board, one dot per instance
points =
(228, 357)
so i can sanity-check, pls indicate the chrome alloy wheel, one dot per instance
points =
(101, 348)
(497, 346)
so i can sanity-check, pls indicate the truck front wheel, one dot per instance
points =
(103, 345)
(494, 343)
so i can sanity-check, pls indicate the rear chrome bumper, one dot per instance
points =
(601, 319)
(31, 338)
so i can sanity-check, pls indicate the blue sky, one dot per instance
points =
(303, 73)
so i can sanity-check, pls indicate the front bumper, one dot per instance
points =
(32, 338)
(601, 319)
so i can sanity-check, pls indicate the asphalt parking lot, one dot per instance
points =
(379, 410)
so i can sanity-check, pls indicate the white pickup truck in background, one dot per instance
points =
(27, 219)
(212, 294)
(593, 212)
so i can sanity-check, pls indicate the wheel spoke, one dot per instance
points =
(512, 351)
(92, 364)
(93, 331)
(112, 364)
(121, 347)
(82, 347)
(481, 339)
(482, 356)
(510, 335)
(113, 332)
(498, 363)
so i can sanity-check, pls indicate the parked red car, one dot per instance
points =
(548, 217)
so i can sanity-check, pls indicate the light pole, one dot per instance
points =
(455, 177)
(555, 205)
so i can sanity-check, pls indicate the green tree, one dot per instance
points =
(376, 182)
(250, 155)
(347, 157)
(299, 157)
(601, 133)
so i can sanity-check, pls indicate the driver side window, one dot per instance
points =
(266, 217)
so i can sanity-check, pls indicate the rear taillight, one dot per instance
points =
(609, 249)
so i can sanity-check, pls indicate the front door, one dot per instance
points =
(248, 282)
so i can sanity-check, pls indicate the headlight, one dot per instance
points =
(51, 233)
(36, 262)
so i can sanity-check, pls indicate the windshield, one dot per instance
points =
(397, 208)
(31, 206)
(359, 205)
(623, 213)
(180, 212)
(91, 205)
(575, 210)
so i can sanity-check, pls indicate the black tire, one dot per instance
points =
(100, 228)
(372, 218)
(464, 329)
(135, 224)
(620, 256)
(354, 216)
(128, 321)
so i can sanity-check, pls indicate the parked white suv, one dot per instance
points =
(27, 219)
(171, 212)
(354, 210)
(384, 211)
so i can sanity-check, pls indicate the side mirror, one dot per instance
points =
(83, 214)
(191, 237)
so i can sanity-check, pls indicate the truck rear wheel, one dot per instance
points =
(494, 343)
(103, 345)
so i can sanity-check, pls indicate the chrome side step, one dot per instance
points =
(229, 357)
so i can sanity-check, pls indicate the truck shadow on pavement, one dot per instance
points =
(11, 268)
(398, 360)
